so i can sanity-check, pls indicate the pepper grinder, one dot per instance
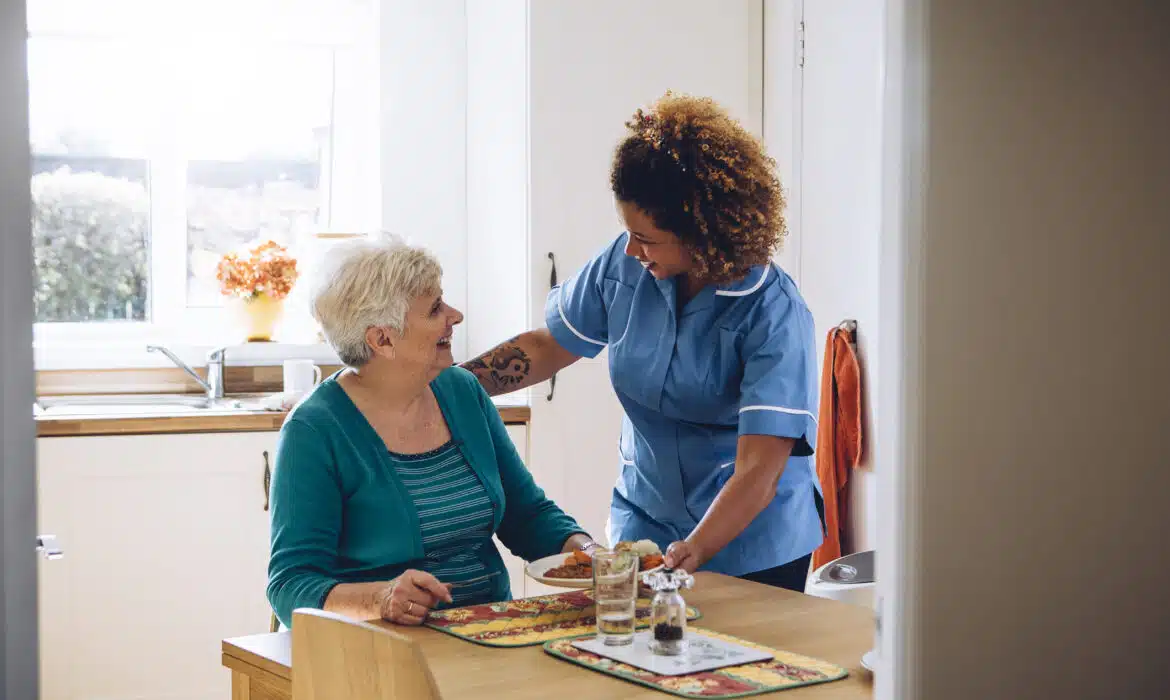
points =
(668, 611)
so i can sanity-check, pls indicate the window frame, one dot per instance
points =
(349, 162)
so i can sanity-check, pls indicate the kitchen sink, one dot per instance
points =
(132, 404)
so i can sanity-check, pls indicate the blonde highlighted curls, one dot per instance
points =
(701, 176)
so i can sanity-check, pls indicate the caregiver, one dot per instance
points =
(711, 350)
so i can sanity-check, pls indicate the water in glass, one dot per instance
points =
(615, 589)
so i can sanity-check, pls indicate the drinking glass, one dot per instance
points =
(615, 590)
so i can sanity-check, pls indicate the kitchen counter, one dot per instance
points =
(238, 413)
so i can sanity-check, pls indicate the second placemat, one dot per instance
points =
(785, 670)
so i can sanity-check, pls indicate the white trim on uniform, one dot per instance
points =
(780, 409)
(579, 334)
(743, 293)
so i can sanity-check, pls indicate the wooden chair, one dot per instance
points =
(336, 658)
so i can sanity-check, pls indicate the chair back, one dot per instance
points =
(336, 658)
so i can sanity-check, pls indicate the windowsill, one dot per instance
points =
(133, 355)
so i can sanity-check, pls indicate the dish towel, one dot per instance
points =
(838, 436)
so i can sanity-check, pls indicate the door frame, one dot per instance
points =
(18, 572)
(897, 406)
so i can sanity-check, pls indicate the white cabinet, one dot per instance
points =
(166, 541)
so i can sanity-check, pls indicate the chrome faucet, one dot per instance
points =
(213, 385)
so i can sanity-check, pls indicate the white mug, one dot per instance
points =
(300, 376)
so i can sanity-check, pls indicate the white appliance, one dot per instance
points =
(849, 579)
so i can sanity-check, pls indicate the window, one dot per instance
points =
(90, 182)
(160, 144)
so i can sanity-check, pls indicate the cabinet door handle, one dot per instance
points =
(552, 282)
(48, 547)
(267, 478)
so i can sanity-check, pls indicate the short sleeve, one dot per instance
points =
(778, 394)
(575, 311)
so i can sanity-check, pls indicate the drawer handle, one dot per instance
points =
(552, 282)
(267, 478)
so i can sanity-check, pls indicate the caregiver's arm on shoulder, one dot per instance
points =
(759, 463)
(527, 359)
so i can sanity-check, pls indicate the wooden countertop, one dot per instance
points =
(825, 629)
(126, 422)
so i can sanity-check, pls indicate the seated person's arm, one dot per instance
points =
(533, 526)
(306, 506)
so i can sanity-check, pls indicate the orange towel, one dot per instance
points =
(838, 436)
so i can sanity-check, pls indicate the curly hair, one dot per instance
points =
(704, 178)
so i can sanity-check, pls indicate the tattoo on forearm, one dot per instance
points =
(501, 368)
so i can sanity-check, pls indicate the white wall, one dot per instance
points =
(424, 135)
(1037, 350)
(497, 171)
(834, 209)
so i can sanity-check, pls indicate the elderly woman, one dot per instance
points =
(394, 474)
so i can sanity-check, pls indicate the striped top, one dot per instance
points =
(455, 515)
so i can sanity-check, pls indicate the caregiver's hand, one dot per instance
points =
(684, 555)
(759, 463)
(408, 598)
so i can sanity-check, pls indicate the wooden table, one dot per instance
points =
(824, 629)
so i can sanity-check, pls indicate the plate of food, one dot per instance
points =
(575, 569)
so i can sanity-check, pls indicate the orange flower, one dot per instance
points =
(268, 269)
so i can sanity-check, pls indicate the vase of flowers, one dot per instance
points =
(257, 283)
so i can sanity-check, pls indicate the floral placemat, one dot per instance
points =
(786, 670)
(530, 621)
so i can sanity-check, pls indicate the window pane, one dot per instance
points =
(259, 123)
(91, 204)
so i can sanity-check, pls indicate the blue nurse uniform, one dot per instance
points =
(735, 360)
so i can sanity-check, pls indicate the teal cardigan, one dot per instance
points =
(340, 514)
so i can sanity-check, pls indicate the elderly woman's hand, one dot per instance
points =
(579, 541)
(408, 598)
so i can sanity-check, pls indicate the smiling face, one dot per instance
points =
(660, 252)
(430, 322)
(425, 344)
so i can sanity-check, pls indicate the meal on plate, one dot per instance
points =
(579, 564)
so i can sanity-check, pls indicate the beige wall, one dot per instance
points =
(1045, 375)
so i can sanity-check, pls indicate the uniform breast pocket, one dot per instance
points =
(725, 365)
(619, 299)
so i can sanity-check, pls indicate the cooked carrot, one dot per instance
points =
(582, 557)
(651, 561)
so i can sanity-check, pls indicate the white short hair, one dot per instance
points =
(369, 282)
